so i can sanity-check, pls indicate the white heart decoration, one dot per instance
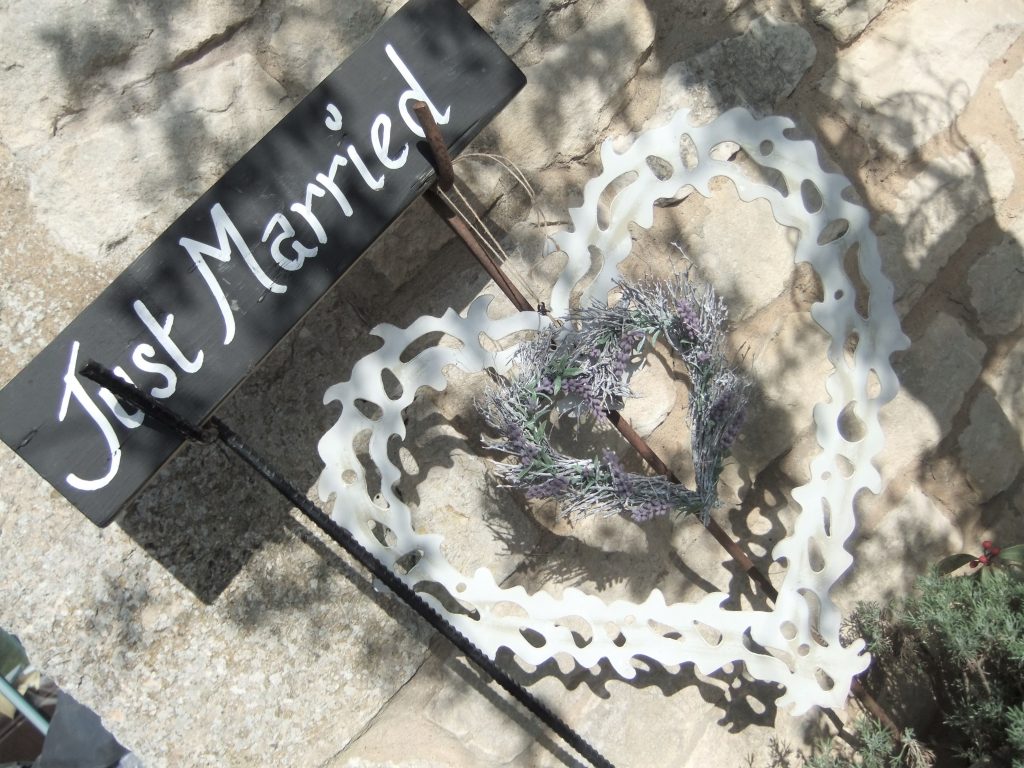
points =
(809, 661)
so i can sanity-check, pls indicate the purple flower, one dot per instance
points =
(551, 488)
(650, 509)
(688, 320)
(622, 483)
(733, 430)
(722, 406)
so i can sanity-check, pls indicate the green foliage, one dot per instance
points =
(969, 635)
(869, 621)
(965, 636)
(1015, 733)
(878, 749)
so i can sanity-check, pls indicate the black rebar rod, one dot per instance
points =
(218, 430)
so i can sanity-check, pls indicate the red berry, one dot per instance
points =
(983, 559)
(995, 551)
(986, 545)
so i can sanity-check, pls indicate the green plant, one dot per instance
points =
(964, 636)
(968, 634)
(878, 748)
(874, 624)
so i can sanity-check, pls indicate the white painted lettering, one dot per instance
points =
(225, 228)
(130, 420)
(415, 92)
(372, 182)
(162, 333)
(333, 119)
(328, 182)
(380, 137)
(73, 389)
(305, 210)
(287, 231)
(143, 356)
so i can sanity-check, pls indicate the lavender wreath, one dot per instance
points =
(581, 368)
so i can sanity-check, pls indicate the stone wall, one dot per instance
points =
(209, 627)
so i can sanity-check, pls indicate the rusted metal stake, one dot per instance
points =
(732, 547)
(494, 271)
(874, 708)
(446, 176)
(443, 161)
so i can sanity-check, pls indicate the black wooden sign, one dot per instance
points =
(198, 310)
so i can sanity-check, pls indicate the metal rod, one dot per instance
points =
(21, 704)
(342, 537)
(150, 406)
(443, 161)
(735, 551)
(872, 706)
(631, 436)
(494, 271)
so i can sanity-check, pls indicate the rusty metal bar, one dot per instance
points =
(443, 161)
(871, 704)
(732, 547)
(465, 234)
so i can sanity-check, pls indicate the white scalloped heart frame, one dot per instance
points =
(797, 652)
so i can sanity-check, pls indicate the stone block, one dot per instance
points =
(935, 375)
(1012, 91)
(115, 181)
(909, 80)
(655, 395)
(990, 447)
(789, 367)
(484, 526)
(997, 285)
(301, 43)
(60, 60)
(476, 723)
(1005, 379)
(525, 29)
(575, 90)
(933, 214)
(846, 20)
(755, 70)
(911, 537)
(717, 235)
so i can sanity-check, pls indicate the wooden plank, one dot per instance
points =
(209, 299)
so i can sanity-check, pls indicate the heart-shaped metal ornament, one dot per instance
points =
(797, 643)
